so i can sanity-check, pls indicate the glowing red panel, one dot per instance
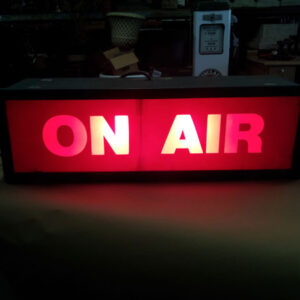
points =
(153, 134)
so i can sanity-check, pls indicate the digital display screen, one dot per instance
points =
(211, 39)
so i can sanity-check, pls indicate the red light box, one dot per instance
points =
(134, 130)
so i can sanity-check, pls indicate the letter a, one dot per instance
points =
(118, 140)
(182, 125)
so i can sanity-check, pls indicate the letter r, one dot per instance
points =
(233, 133)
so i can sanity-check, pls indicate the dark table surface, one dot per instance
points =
(231, 239)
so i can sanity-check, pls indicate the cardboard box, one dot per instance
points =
(120, 63)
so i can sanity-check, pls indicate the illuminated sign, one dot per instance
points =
(145, 135)
(182, 135)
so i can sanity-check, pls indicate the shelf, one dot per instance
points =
(47, 17)
(148, 13)
(153, 13)
(268, 11)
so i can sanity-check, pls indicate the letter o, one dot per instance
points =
(50, 135)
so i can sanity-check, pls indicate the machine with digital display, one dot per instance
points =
(211, 40)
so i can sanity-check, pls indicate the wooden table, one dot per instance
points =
(283, 68)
